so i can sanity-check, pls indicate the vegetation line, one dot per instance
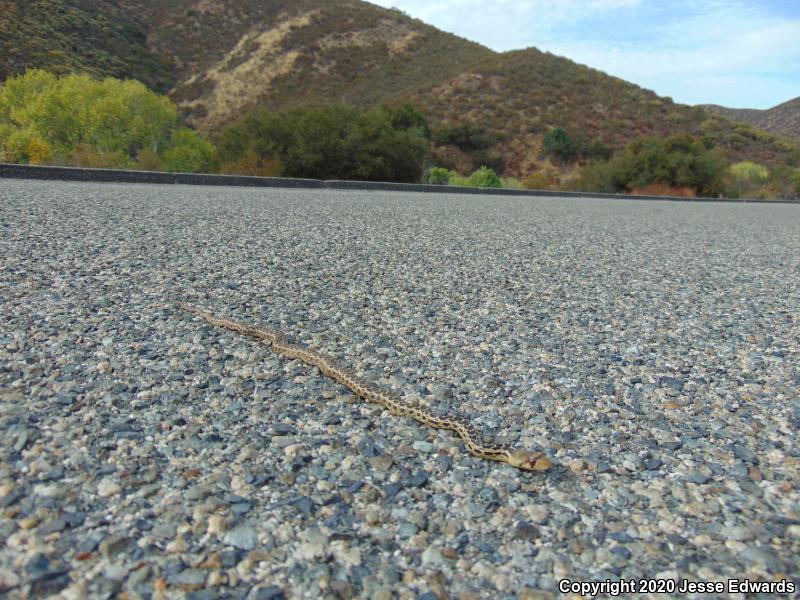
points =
(76, 120)
(52, 173)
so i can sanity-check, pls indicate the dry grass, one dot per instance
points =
(782, 120)
(244, 74)
(661, 189)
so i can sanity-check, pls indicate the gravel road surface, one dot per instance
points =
(652, 349)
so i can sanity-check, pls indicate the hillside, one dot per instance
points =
(524, 93)
(782, 120)
(234, 56)
(64, 36)
(220, 59)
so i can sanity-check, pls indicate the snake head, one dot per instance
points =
(529, 460)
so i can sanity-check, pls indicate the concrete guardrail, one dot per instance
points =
(12, 171)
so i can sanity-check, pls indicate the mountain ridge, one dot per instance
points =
(782, 120)
(223, 58)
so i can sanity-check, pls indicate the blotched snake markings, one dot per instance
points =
(522, 459)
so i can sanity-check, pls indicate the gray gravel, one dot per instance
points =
(650, 348)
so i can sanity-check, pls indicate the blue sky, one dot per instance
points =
(738, 53)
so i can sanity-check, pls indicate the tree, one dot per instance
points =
(468, 138)
(747, 171)
(597, 150)
(680, 160)
(440, 175)
(558, 143)
(408, 118)
(128, 117)
(188, 152)
(331, 142)
(79, 120)
(484, 178)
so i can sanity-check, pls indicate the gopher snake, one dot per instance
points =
(522, 459)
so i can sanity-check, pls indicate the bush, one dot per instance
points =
(147, 160)
(746, 179)
(785, 181)
(25, 146)
(440, 175)
(188, 153)
(408, 118)
(749, 172)
(541, 180)
(599, 151)
(603, 178)
(492, 161)
(250, 163)
(87, 156)
(679, 161)
(330, 142)
(83, 121)
(466, 137)
(485, 178)
(558, 144)
(460, 181)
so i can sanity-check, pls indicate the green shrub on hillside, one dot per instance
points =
(408, 118)
(466, 137)
(485, 178)
(330, 142)
(604, 178)
(23, 146)
(460, 181)
(440, 175)
(678, 161)
(188, 153)
(482, 158)
(785, 181)
(747, 171)
(597, 150)
(746, 179)
(69, 36)
(543, 179)
(559, 144)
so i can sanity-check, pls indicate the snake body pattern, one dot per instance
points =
(522, 459)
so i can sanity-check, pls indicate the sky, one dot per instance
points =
(737, 53)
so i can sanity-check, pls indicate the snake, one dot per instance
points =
(527, 460)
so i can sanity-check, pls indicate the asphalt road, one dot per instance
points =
(650, 348)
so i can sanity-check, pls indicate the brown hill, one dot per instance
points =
(782, 120)
(227, 57)
(232, 56)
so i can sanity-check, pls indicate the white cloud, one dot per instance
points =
(504, 24)
(732, 52)
(731, 56)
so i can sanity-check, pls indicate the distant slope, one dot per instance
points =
(234, 56)
(524, 93)
(64, 36)
(222, 58)
(782, 120)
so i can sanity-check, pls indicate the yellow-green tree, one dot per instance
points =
(79, 120)
(749, 171)
(188, 152)
(747, 179)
